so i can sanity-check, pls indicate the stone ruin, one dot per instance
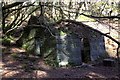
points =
(75, 49)
(75, 44)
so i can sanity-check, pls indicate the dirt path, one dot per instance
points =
(12, 68)
(96, 72)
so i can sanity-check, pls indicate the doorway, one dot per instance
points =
(85, 51)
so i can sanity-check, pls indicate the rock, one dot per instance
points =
(63, 64)
(109, 62)
(85, 65)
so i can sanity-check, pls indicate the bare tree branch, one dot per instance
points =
(8, 32)
(109, 17)
(11, 5)
(86, 26)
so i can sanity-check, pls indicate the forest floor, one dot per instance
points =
(23, 68)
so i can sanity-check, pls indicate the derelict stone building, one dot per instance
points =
(79, 45)
(74, 43)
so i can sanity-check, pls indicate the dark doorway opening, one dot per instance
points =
(85, 52)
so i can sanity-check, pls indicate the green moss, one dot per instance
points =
(51, 62)
(6, 41)
(14, 55)
(62, 33)
(29, 46)
(84, 18)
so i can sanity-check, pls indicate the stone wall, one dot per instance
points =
(97, 47)
(69, 49)
(70, 46)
